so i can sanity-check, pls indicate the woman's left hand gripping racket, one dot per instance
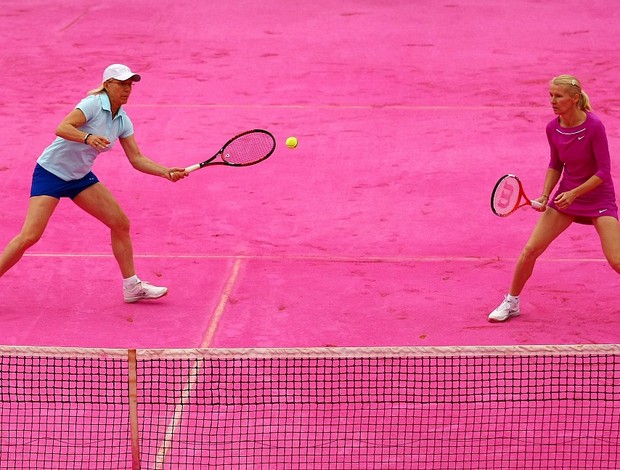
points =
(247, 148)
(508, 196)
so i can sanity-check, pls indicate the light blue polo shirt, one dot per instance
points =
(73, 160)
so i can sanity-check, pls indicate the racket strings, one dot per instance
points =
(249, 148)
(506, 196)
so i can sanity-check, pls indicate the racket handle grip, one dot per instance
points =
(195, 167)
(535, 204)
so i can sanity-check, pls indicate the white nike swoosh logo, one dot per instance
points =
(602, 210)
(579, 138)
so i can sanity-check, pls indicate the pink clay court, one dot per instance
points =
(375, 231)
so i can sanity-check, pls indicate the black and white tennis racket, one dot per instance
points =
(247, 148)
(508, 196)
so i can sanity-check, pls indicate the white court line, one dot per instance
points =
(375, 106)
(221, 306)
(195, 371)
(321, 258)
(323, 106)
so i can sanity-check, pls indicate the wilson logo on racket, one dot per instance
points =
(508, 196)
(503, 201)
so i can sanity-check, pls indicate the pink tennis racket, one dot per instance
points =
(247, 148)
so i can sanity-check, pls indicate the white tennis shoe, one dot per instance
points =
(143, 291)
(507, 309)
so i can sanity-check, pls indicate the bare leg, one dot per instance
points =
(550, 225)
(40, 209)
(99, 202)
(608, 230)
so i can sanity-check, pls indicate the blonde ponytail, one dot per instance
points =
(96, 91)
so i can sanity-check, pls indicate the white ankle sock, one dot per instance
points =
(512, 298)
(130, 282)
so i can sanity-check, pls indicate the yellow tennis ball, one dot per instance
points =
(291, 142)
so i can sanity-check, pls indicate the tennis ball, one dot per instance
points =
(291, 142)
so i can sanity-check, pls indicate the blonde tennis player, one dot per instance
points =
(64, 170)
(579, 155)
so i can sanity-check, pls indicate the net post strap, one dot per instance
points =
(133, 408)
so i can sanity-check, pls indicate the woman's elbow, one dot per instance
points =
(61, 130)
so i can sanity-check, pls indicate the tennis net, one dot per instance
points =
(516, 407)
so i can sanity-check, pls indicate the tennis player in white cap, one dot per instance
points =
(64, 170)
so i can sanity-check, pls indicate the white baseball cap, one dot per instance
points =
(120, 72)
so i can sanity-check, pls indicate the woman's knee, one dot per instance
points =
(531, 252)
(28, 238)
(120, 223)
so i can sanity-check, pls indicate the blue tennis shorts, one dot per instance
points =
(45, 183)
